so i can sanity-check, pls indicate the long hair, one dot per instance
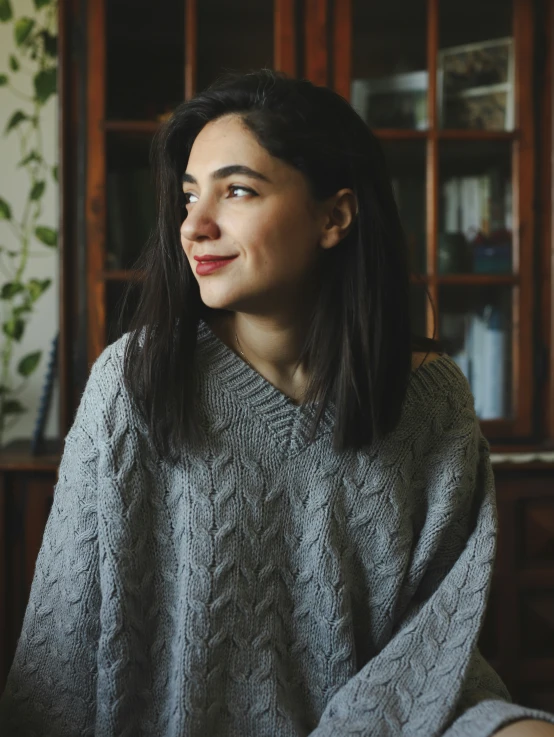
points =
(359, 343)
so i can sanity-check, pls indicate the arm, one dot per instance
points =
(51, 685)
(413, 685)
(527, 728)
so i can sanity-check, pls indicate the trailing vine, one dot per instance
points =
(35, 57)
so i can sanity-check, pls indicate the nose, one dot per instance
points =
(199, 225)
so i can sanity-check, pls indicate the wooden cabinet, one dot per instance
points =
(518, 634)
(26, 494)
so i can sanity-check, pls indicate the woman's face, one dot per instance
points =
(242, 201)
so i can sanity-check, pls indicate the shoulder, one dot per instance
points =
(104, 390)
(437, 384)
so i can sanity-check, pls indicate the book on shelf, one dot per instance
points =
(477, 204)
(480, 209)
(484, 361)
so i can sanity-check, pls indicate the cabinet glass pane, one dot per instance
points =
(117, 310)
(233, 36)
(130, 200)
(389, 63)
(476, 325)
(145, 58)
(475, 208)
(475, 65)
(406, 163)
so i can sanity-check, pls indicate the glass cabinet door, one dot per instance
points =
(475, 69)
(145, 58)
(446, 87)
(389, 63)
(235, 36)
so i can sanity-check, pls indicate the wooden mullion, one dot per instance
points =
(284, 25)
(95, 207)
(315, 30)
(342, 47)
(432, 169)
(191, 43)
(523, 219)
(66, 201)
(547, 261)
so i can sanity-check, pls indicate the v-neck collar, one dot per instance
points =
(290, 423)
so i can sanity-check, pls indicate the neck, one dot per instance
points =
(271, 347)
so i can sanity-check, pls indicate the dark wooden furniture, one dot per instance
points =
(125, 65)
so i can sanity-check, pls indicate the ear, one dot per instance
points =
(340, 211)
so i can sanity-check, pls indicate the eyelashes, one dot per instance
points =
(187, 195)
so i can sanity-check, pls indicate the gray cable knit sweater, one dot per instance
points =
(267, 587)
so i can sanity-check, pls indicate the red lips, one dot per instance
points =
(209, 257)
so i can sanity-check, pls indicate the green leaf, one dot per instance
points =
(45, 84)
(41, 3)
(13, 407)
(18, 117)
(22, 29)
(3, 80)
(29, 363)
(37, 286)
(22, 309)
(10, 289)
(5, 210)
(14, 328)
(14, 64)
(33, 156)
(5, 10)
(55, 172)
(50, 44)
(4, 389)
(38, 190)
(48, 236)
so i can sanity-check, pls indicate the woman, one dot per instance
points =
(275, 513)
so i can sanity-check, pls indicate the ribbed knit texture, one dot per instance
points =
(264, 587)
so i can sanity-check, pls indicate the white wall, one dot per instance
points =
(43, 324)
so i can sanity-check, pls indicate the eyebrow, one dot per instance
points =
(228, 171)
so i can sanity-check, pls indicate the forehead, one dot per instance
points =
(226, 137)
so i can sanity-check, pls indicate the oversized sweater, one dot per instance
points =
(267, 586)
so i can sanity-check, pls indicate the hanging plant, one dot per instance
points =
(36, 56)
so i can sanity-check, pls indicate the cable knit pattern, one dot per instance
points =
(263, 586)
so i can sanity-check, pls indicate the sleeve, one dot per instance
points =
(50, 690)
(485, 705)
(429, 679)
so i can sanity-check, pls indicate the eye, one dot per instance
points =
(187, 196)
(235, 187)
